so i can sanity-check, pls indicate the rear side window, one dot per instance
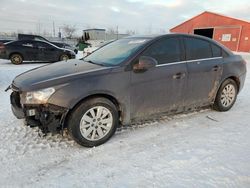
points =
(165, 50)
(217, 52)
(197, 49)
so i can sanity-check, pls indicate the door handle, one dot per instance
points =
(179, 75)
(215, 68)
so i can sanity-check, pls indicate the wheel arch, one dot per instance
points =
(234, 78)
(217, 104)
(16, 53)
(103, 95)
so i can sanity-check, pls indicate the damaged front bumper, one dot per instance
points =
(48, 117)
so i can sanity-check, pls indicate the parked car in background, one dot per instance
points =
(5, 40)
(129, 80)
(32, 50)
(40, 38)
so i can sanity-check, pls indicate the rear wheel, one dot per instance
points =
(93, 122)
(16, 59)
(226, 95)
(64, 57)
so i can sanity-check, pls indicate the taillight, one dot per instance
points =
(2, 47)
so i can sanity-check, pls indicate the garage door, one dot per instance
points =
(228, 36)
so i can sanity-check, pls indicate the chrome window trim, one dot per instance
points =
(173, 63)
(189, 61)
(211, 58)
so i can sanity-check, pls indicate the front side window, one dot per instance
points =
(165, 50)
(197, 49)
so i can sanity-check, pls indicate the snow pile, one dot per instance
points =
(201, 149)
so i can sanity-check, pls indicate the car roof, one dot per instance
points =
(153, 37)
(164, 35)
(142, 36)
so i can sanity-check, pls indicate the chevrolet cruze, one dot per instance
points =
(131, 79)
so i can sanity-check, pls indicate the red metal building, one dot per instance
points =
(231, 32)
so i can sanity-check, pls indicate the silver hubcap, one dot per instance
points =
(96, 123)
(228, 95)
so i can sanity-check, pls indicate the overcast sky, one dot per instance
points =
(142, 16)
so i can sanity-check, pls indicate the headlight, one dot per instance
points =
(37, 97)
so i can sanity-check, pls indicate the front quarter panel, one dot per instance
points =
(114, 83)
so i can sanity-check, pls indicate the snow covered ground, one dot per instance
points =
(201, 149)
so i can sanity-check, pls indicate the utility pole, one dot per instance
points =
(54, 31)
(59, 33)
(117, 32)
(39, 27)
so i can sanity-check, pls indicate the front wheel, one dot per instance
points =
(226, 95)
(64, 57)
(93, 122)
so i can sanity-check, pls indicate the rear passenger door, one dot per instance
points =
(204, 62)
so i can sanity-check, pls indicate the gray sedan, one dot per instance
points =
(129, 80)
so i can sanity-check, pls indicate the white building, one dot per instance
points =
(101, 35)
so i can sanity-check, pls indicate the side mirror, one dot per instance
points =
(144, 64)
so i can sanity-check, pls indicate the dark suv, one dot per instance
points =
(131, 79)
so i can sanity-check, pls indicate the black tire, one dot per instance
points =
(75, 120)
(221, 105)
(16, 59)
(64, 57)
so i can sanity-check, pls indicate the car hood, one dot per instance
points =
(57, 74)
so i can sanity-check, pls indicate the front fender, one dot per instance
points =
(115, 85)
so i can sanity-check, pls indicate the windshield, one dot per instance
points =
(115, 52)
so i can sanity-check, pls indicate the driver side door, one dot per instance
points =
(46, 51)
(161, 88)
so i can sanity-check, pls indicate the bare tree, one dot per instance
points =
(20, 31)
(148, 30)
(69, 31)
(162, 31)
(111, 30)
(46, 33)
(13, 34)
(130, 32)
